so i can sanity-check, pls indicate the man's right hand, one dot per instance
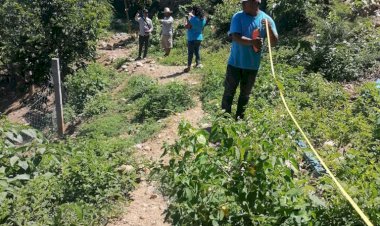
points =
(258, 43)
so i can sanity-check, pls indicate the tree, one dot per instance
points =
(34, 31)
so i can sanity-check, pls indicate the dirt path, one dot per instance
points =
(148, 205)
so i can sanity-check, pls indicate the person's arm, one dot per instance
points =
(247, 41)
(151, 26)
(170, 20)
(272, 31)
(188, 23)
(137, 18)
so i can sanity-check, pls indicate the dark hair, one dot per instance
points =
(198, 12)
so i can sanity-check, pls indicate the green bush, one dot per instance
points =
(99, 104)
(344, 50)
(165, 100)
(289, 14)
(108, 125)
(154, 101)
(32, 32)
(87, 83)
(72, 183)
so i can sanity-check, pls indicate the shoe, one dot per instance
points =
(199, 66)
(186, 69)
(138, 58)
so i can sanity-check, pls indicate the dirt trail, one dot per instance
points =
(148, 205)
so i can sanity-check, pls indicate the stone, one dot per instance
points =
(139, 64)
(329, 144)
(147, 148)
(124, 67)
(139, 146)
(109, 47)
(152, 69)
(154, 196)
(111, 59)
(126, 70)
(103, 45)
(126, 169)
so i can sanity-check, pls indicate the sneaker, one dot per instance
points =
(199, 66)
(138, 58)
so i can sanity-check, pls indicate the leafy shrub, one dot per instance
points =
(368, 101)
(108, 125)
(224, 12)
(61, 184)
(99, 104)
(238, 181)
(33, 32)
(87, 83)
(155, 101)
(289, 14)
(344, 50)
(138, 86)
(165, 100)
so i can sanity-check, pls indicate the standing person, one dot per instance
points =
(247, 30)
(195, 24)
(167, 31)
(145, 29)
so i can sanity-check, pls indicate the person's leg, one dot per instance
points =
(231, 83)
(197, 47)
(190, 52)
(163, 45)
(247, 82)
(169, 45)
(141, 43)
(146, 45)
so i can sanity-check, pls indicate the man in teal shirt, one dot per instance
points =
(244, 61)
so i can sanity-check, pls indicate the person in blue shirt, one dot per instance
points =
(247, 31)
(195, 24)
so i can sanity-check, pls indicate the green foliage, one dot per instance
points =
(350, 45)
(33, 32)
(165, 100)
(289, 14)
(108, 125)
(245, 179)
(97, 105)
(224, 12)
(60, 184)
(211, 177)
(86, 84)
(157, 101)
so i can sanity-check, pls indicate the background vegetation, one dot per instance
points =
(250, 172)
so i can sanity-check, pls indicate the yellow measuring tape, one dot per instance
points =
(342, 190)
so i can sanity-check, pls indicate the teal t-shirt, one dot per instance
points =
(243, 56)
(196, 31)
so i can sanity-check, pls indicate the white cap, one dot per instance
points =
(167, 10)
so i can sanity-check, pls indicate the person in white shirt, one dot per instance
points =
(167, 31)
(146, 28)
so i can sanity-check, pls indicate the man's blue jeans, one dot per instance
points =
(193, 49)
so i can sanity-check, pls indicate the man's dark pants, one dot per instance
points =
(234, 76)
(143, 43)
(193, 49)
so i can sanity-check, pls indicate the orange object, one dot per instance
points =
(255, 35)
